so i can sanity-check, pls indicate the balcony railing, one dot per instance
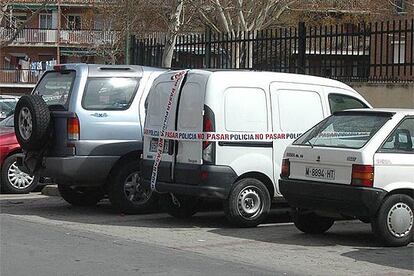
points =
(66, 37)
(62, 2)
(17, 76)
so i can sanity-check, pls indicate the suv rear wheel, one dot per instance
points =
(81, 196)
(248, 204)
(394, 221)
(311, 223)
(125, 192)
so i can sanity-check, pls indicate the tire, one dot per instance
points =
(181, 206)
(393, 224)
(81, 196)
(125, 192)
(13, 180)
(311, 223)
(31, 122)
(238, 207)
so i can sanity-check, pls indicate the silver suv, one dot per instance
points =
(82, 126)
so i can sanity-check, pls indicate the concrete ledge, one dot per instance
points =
(50, 190)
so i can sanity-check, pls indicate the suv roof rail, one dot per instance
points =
(115, 68)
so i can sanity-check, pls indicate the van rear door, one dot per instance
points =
(190, 119)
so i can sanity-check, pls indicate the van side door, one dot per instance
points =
(295, 109)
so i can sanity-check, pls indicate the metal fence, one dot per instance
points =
(20, 76)
(381, 51)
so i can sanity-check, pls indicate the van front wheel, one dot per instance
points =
(248, 204)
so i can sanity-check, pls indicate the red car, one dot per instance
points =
(12, 179)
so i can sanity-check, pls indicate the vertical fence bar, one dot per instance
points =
(301, 47)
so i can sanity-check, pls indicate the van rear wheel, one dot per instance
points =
(125, 192)
(248, 204)
(180, 206)
(81, 196)
(311, 223)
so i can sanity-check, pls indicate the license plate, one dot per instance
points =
(321, 173)
(154, 145)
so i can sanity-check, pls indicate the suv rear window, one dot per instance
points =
(344, 130)
(109, 93)
(55, 87)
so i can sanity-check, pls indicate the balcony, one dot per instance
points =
(51, 37)
(12, 78)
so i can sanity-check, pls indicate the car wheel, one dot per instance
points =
(125, 192)
(311, 223)
(13, 180)
(394, 221)
(180, 206)
(248, 204)
(31, 122)
(81, 196)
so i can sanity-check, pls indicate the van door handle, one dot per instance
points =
(99, 115)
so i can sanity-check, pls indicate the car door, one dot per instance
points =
(395, 159)
(295, 109)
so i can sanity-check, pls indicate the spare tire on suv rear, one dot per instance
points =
(31, 122)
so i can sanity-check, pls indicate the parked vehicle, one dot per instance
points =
(12, 179)
(7, 105)
(82, 127)
(241, 173)
(357, 163)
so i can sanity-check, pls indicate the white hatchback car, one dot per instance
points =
(357, 163)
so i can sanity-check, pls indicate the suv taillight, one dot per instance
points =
(362, 175)
(285, 172)
(73, 128)
(208, 126)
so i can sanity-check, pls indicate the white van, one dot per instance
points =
(255, 114)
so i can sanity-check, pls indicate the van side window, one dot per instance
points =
(245, 109)
(339, 102)
(402, 138)
(298, 110)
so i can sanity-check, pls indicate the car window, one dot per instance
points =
(55, 87)
(401, 139)
(346, 130)
(7, 107)
(339, 102)
(109, 93)
(8, 122)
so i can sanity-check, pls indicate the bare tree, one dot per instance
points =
(8, 39)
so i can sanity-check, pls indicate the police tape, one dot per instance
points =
(178, 80)
(237, 136)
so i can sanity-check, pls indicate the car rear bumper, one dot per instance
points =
(342, 199)
(196, 180)
(78, 170)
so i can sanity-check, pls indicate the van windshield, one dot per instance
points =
(344, 130)
(55, 87)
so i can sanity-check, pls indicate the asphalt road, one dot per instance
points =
(42, 235)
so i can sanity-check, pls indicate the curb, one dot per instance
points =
(50, 190)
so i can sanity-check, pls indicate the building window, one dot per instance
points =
(16, 19)
(74, 22)
(398, 51)
(45, 21)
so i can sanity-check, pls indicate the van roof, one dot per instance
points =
(270, 76)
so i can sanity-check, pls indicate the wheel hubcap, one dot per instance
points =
(400, 220)
(134, 191)
(25, 123)
(249, 203)
(17, 178)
